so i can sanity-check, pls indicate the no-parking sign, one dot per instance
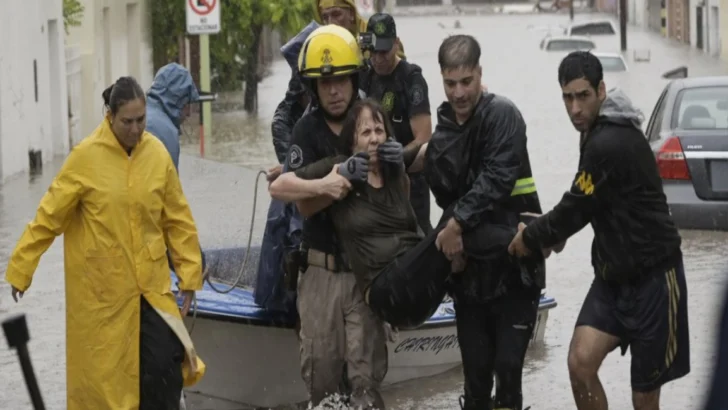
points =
(203, 16)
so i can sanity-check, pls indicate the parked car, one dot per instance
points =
(612, 62)
(566, 43)
(590, 28)
(688, 132)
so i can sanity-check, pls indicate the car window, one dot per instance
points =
(566, 45)
(701, 108)
(592, 29)
(655, 123)
(612, 63)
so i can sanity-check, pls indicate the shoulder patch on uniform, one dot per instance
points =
(295, 158)
(417, 94)
(584, 183)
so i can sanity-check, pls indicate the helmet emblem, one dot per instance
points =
(326, 58)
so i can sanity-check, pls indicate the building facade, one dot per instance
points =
(113, 40)
(33, 100)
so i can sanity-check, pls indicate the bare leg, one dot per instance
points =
(588, 349)
(646, 400)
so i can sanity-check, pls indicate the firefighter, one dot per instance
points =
(330, 305)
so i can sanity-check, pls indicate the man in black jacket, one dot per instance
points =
(477, 163)
(402, 91)
(638, 298)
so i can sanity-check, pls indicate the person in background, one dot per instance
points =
(119, 203)
(402, 91)
(639, 297)
(339, 334)
(168, 106)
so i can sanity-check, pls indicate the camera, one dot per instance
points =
(367, 41)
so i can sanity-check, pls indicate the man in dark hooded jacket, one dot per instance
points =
(477, 164)
(638, 298)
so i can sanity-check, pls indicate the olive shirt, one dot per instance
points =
(374, 225)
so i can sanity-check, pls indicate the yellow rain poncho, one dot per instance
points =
(361, 22)
(118, 213)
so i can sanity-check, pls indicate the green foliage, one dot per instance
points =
(242, 22)
(168, 23)
(72, 14)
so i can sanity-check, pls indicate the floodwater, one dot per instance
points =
(221, 198)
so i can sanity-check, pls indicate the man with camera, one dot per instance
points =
(402, 90)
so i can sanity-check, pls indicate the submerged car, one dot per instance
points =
(688, 132)
(571, 43)
(590, 28)
(611, 62)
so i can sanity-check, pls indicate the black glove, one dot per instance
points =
(356, 168)
(391, 151)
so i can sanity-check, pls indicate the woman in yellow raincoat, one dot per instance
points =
(119, 202)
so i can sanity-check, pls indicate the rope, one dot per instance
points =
(241, 272)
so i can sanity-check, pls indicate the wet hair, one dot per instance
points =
(124, 90)
(459, 51)
(351, 123)
(581, 64)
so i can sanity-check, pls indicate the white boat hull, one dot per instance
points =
(259, 365)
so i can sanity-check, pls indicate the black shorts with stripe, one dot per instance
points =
(649, 317)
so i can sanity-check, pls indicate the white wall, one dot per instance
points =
(713, 43)
(723, 31)
(711, 25)
(34, 32)
(637, 12)
(115, 41)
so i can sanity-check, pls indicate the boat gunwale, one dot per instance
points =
(277, 322)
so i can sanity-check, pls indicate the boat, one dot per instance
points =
(252, 354)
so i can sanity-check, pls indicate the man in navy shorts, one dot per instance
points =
(638, 298)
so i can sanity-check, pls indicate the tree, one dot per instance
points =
(72, 14)
(168, 24)
(235, 51)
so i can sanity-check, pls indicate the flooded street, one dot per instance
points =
(513, 65)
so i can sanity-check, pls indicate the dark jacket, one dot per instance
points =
(290, 109)
(482, 169)
(619, 191)
(718, 395)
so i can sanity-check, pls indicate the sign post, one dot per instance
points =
(203, 19)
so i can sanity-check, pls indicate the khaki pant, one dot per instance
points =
(340, 335)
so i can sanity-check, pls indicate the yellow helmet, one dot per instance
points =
(329, 51)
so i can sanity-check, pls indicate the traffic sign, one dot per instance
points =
(203, 16)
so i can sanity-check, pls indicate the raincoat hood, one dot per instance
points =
(173, 88)
(292, 48)
(360, 22)
(618, 108)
